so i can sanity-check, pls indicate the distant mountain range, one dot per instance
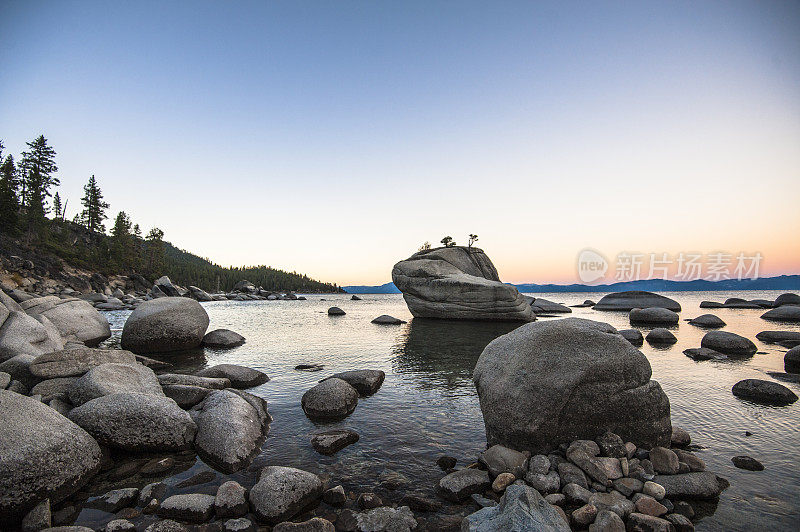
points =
(782, 282)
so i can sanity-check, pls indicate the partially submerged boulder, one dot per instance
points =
(365, 381)
(42, 455)
(76, 320)
(765, 392)
(332, 398)
(552, 382)
(708, 321)
(239, 376)
(165, 324)
(541, 305)
(223, 339)
(728, 343)
(385, 319)
(457, 283)
(636, 299)
(331, 442)
(653, 316)
(785, 313)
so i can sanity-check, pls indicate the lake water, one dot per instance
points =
(429, 407)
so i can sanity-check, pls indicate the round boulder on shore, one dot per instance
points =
(653, 316)
(332, 398)
(708, 321)
(223, 339)
(547, 383)
(728, 343)
(636, 299)
(660, 336)
(766, 392)
(282, 492)
(42, 455)
(76, 320)
(165, 324)
(785, 313)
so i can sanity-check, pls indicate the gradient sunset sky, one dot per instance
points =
(333, 138)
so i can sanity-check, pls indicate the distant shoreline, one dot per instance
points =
(781, 282)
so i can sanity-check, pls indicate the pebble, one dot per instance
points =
(502, 481)
(650, 506)
(584, 515)
(654, 490)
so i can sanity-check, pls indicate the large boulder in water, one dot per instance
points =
(76, 320)
(653, 316)
(42, 455)
(165, 324)
(787, 299)
(785, 313)
(457, 283)
(728, 343)
(21, 334)
(636, 299)
(553, 382)
(332, 398)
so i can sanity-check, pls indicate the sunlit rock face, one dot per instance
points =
(457, 283)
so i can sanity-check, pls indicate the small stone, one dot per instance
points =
(368, 500)
(611, 445)
(500, 459)
(576, 494)
(544, 484)
(502, 481)
(684, 508)
(192, 507)
(115, 500)
(649, 506)
(680, 522)
(239, 525)
(421, 504)
(748, 463)
(156, 490)
(167, 525)
(231, 500)
(459, 485)
(607, 521)
(613, 502)
(335, 496)
(664, 461)
(680, 437)
(588, 446)
(654, 490)
(556, 499)
(120, 525)
(628, 486)
(647, 523)
(332, 441)
(584, 515)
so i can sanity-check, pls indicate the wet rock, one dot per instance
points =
(547, 382)
(212, 383)
(704, 353)
(541, 305)
(332, 398)
(120, 525)
(365, 381)
(38, 518)
(446, 463)
(708, 321)
(774, 337)
(766, 392)
(191, 507)
(316, 524)
(107, 379)
(309, 367)
(664, 460)
(335, 496)
(607, 522)
(156, 490)
(634, 336)
(157, 466)
(44, 455)
(660, 336)
(420, 503)
(499, 459)
(240, 377)
(332, 441)
(74, 362)
(115, 500)
(701, 485)
(520, 508)
(203, 477)
(728, 343)
(786, 314)
(459, 485)
(281, 492)
(336, 311)
(694, 462)
(231, 500)
(164, 325)
(386, 519)
(186, 396)
(636, 299)
(136, 422)
(222, 339)
(748, 463)
(653, 316)
(680, 522)
(385, 319)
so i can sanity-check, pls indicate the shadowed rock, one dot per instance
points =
(107, 379)
(223, 339)
(365, 381)
(636, 299)
(786, 313)
(520, 508)
(239, 376)
(76, 362)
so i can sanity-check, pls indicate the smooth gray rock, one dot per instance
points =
(551, 382)
(223, 339)
(636, 299)
(229, 431)
(365, 381)
(653, 316)
(239, 376)
(76, 320)
(315, 524)
(791, 360)
(192, 507)
(459, 485)
(386, 519)
(239, 525)
(458, 283)
(765, 392)
(728, 343)
(704, 353)
(331, 442)
(786, 314)
(774, 337)
(107, 379)
(281, 492)
(76, 362)
(385, 319)
(43, 455)
(787, 299)
(634, 336)
(186, 396)
(708, 321)
(541, 305)
(136, 422)
(164, 325)
(57, 388)
(660, 336)
(332, 398)
(700, 485)
(231, 500)
(521, 509)
(336, 311)
(21, 334)
(212, 383)
(500, 459)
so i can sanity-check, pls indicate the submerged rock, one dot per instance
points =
(660, 336)
(748, 463)
(332, 398)
(386, 519)
(165, 324)
(223, 339)
(281, 492)
(786, 313)
(336, 311)
(708, 321)
(521, 508)
(385, 319)
(728, 343)
(634, 336)
(457, 283)
(332, 441)
(541, 305)
(761, 391)
(636, 299)
(704, 353)
(192, 507)
(547, 383)
(774, 337)
(43, 455)
(239, 376)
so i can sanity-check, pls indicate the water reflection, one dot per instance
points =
(442, 353)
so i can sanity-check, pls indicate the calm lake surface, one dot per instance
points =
(428, 405)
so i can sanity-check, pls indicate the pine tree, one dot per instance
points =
(58, 210)
(94, 212)
(9, 202)
(37, 166)
(122, 243)
(155, 252)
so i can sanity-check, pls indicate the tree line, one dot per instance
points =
(28, 195)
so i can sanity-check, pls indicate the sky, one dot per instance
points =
(334, 138)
